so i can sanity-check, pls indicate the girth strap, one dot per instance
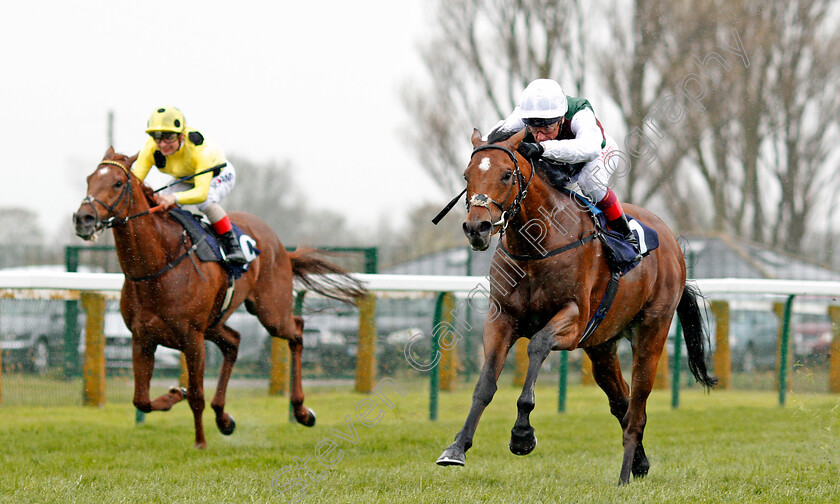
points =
(565, 248)
(603, 308)
(171, 264)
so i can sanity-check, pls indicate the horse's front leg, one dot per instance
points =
(498, 338)
(143, 362)
(561, 329)
(227, 340)
(194, 352)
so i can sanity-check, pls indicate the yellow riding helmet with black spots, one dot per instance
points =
(167, 119)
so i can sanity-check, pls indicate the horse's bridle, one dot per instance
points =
(113, 220)
(483, 200)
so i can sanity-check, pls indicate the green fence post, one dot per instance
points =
(469, 356)
(434, 376)
(371, 260)
(783, 351)
(675, 380)
(71, 321)
(563, 384)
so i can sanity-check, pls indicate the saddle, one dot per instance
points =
(207, 246)
(620, 254)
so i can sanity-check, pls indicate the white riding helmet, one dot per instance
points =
(543, 103)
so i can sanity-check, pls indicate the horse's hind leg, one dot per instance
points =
(646, 352)
(302, 414)
(227, 340)
(282, 324)
(606, 371)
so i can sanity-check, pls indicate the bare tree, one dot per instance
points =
(758, 92)
(729, 106)
(803, 105)
(269, 192)
(484, 52)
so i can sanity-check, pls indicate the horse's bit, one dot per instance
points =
(112, 209)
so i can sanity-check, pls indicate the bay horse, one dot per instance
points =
(548, 289)
(175, 303)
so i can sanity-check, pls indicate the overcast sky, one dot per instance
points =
(316, 83)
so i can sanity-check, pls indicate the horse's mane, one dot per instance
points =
(499, 135)
(148, 192)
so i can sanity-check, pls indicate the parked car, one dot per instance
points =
(323, 344)
(753, 336)
(752, 340)
(118, 346)
(812, 340)
(31, 334)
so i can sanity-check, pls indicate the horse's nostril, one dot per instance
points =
(85, 220)
(477, 228)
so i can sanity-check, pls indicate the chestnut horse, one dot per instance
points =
(549, 297)
(176, 303)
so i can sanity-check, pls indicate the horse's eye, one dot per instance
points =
(118, 184)
(507, 176)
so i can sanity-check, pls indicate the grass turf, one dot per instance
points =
(729, 446)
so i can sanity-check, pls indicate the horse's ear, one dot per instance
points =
(516, 139)
(109, 154)
(476, 138)
(130, 161)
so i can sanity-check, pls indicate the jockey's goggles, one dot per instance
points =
(164, 136)
(551, 129)
(540, 122)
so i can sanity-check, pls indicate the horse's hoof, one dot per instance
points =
(228, 429)
(309, 422)
(182, 390)
(523, 444)
(641, 469)
(452, 456)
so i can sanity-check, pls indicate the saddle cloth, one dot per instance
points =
(200, 232)
(620, 254)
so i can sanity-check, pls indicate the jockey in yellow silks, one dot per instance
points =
(181, 152)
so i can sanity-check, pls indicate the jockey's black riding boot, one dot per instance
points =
(233, 252)
(622, 226)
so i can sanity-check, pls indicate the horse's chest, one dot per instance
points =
(538, 293)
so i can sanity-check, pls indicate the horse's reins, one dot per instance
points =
(482, 200)
(115, 221)
(112, 209)
(508, 214)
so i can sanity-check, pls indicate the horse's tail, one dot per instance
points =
(696, 335)
(332, 281)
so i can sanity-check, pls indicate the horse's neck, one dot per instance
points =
(145, 243)
(548, 219)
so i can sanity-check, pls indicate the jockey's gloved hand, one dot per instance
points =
(530, 150)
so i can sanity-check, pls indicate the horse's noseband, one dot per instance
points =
(111, 209)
